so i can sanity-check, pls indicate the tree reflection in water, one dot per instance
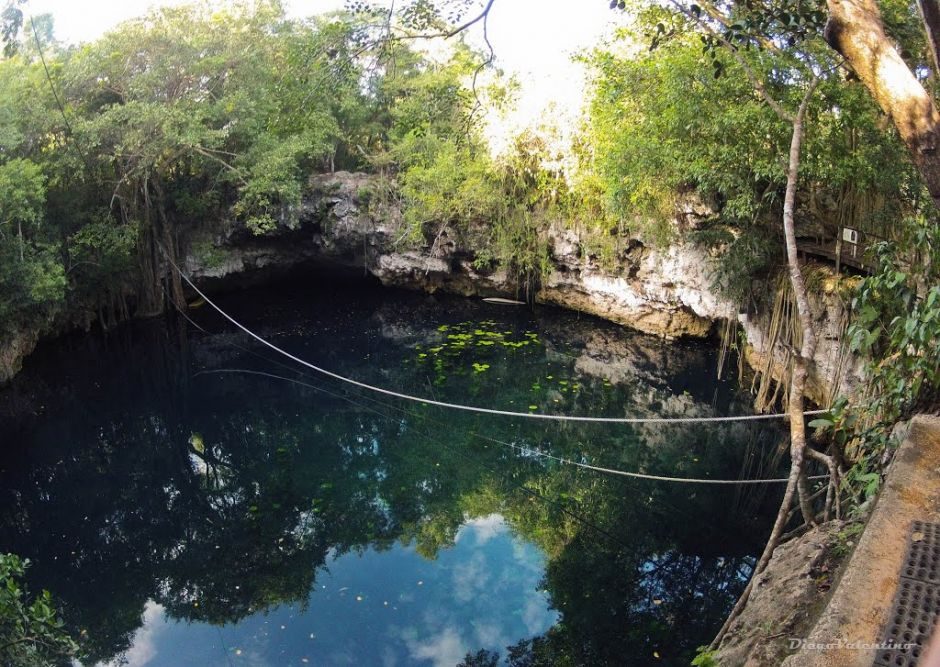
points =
(223, 495)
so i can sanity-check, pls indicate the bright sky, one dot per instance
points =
(534, 39)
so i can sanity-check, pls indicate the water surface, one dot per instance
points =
(191, 499)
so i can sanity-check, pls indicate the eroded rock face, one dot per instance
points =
(781, 606)
(15, 348)
(652, 307)
(665, 292)
(833, 372)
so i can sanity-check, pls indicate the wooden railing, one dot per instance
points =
(852, 247)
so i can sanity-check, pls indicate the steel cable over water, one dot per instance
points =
(471, 408)
(527, 450)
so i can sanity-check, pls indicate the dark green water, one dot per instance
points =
(189, 517)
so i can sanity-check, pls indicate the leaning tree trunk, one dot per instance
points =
(804, 356)
(930, 15)
(797, 478)
(855, 29)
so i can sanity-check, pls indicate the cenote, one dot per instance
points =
(192, 499)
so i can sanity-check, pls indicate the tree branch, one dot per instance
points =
(748, 70)
(855, 30)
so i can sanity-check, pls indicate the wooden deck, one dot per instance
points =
(852, 248)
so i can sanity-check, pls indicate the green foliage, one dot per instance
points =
(444, 175)
(846, 538)
(11, 20)
(207, 254)
(536, 195)
(704, 658)
(103, 251)
(30, 631)
(896, 326)
(195, 102)
(897, 321)
(452, 186)
(660, 124)
(22, 193)
(32, 286)
(448, 181)
(32, 279)
(171, 122)
(663, 128)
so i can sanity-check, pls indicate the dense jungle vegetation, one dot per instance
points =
(197, 114)
(114, 152)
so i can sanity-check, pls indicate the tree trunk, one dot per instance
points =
(168, 240)
(856, 31)
(805, 316)
(796, 478)
(930, 15)
(150, 297)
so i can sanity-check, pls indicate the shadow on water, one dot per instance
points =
(187, 516)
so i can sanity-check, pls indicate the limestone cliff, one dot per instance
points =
(666, 292)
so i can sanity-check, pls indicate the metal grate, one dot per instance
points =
(917, 602)
(923, 555)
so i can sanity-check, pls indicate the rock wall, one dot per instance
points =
(665, 292)
(785, 600)
(834, 372)
(14, 350)
(661, 292)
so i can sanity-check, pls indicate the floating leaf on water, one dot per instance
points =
(197, 442)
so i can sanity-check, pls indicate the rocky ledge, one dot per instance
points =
(666, 292)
